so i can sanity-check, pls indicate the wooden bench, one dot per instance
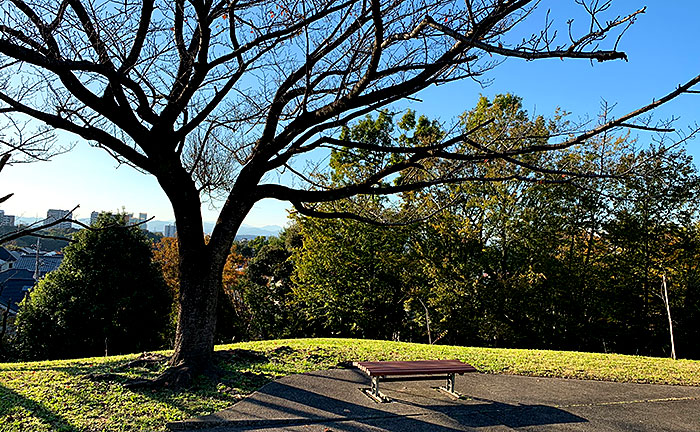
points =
(419, 370)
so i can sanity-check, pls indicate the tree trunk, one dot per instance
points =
(200, 273)
(200, 279)
(196, 323)
(200, 270)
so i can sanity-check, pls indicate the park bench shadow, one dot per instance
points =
(279, 404)
(483, 412)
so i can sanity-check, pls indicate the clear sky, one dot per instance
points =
(663, 52)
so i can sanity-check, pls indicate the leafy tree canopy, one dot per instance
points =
(106, 297)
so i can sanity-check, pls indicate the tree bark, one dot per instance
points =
(196, 324)
(201, 268)
(200, 271)
(199, 274)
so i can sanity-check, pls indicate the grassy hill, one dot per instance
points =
(67, 396)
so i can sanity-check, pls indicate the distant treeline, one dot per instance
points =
(46, 244)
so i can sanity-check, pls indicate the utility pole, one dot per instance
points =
(36, 264)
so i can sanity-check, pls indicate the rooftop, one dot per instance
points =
(14, 285)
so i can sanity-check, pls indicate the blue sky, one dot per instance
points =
(663, 52)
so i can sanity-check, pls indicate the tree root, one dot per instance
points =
(173, 378)
(144, 360)
(179, 376)
(240, 354)
(103, 377)
(116, 378)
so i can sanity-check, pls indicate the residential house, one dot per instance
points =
(47, 261)
(14, 286)
(7, 259)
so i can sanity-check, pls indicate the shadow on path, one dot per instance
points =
(337, 401)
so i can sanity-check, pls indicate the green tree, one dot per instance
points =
(249, 248)
(479, 252)
(214, 99)
(511, 262)
(653, 233)
(267, 288)
(685, 295)
(352, 279)
(107, 297)
(568, 257)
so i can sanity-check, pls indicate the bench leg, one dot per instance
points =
(373, 392)
(451, 383)
(375, 386)
(450, 386)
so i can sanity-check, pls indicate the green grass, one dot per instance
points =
(55, 395)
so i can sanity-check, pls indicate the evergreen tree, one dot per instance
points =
(107, 297)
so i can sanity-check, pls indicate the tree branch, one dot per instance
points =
(33, 228)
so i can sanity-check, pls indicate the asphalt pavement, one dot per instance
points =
(334, 401)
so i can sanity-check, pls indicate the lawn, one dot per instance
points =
(57, 396)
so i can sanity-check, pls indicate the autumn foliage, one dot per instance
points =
(165, 253)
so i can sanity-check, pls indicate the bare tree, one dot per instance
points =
(3, 162)
(215, 97)
(22, 143)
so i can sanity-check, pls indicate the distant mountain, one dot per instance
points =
(267, 230)
(246, 231)
(26, 220)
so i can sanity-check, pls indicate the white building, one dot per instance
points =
(169, 230)
(53, 215)
(6, 220)
(130, 219)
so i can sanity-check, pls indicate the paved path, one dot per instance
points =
(331, 401)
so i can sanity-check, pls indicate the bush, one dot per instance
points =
(106, 297)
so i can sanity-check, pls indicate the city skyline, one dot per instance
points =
(165, 227)
(88, 216)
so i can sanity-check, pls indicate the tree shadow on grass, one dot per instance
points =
(10, 400)
(223, 392)
(228, 383)
(231, 381)
(212, 392)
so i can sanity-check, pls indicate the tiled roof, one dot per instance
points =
(46, 263)
(5, 255)
(3, 307)
(16, 274)
(14, 285)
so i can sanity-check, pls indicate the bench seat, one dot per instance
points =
(413, 371)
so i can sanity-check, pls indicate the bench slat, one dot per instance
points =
(429, 367)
